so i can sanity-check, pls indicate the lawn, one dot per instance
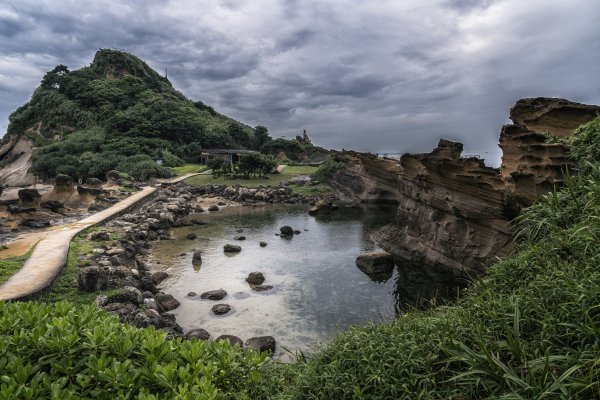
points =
(10, 266)
(188, 169)
(273, 179)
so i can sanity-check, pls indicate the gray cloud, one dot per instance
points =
(373, 76)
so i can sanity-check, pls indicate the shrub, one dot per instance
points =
(60, 351)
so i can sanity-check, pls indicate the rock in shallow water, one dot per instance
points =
(262, 343)
(232, 248)
(232, 339)
(198, 333)
(255, 278)
(262, 288)
(375, 263)
(214, 294)
(221, 309)
(167, 301)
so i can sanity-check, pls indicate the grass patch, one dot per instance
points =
(312, 190)
(273, 179)
(10, 266)
(188, 169)
(3, 247)
(65, 286)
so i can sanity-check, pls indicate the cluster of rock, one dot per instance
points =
(32, 209)
(454, 214)
(119, 264)
(258, 196)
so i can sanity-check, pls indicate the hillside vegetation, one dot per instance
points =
(89, 120)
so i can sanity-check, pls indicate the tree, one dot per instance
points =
(55, 79)
(261, 136)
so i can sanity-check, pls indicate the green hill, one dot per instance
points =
(118, 113)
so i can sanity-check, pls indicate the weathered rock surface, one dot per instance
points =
(262, 343)
(454, 213)
(530, 165)
(261, 288)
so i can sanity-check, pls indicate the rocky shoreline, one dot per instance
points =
(121, 267)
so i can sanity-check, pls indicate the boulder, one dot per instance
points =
(239, 237)
(64, 184)
(159, 276)
(233, 340)
(213, 207)
(92, 279)
(262, 244)
(166, 301)
(375, 263)
(34, 223)
(93, 182)
(18, 210)
(232, 248)
(214, 294)
(261, 288)
(53, 205)
(198, 333)
(191, 236)
(286, 231)
(29, 196)
(255, 278)
(85, 191)
(99, 236)
(127, 294)
(197, 258)
(322, 207)
(221, 309)
(262, 343)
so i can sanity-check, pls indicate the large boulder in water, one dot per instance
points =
(376, 264)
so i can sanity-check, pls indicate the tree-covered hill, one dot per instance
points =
(118, 113)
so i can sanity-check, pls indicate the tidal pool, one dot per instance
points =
(317, 289)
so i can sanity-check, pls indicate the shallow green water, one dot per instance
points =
(317, 288)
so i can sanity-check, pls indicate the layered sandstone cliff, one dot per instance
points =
(454, 214)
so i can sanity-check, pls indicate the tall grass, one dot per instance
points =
(529, 329)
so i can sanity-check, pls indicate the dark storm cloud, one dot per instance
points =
(374, 76)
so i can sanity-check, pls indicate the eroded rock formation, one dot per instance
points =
(454, 213)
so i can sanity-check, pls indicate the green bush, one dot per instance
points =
(62, 352)
(328, 168)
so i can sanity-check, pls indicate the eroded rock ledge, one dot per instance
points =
(454, 213)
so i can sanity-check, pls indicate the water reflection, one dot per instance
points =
(317, 288)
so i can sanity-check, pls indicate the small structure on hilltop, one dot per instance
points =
(229, 155)
(304, 139)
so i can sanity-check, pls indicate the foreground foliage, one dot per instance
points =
(529, 329)
(62, 352)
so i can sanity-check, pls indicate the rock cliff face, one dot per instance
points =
(15, 155)
(454, 213)
(530, 164)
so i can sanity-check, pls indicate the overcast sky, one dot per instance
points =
(377, 75)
